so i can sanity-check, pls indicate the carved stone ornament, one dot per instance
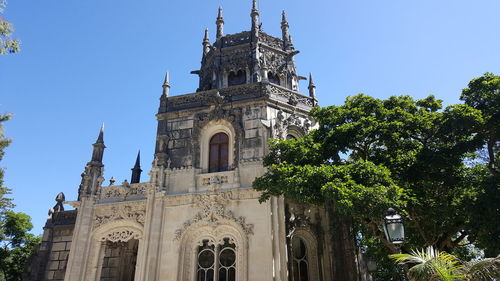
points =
(213, 213)
(133, 212)
(121, 236)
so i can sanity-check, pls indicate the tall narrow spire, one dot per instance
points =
(206, 43)
(220, 24)
(100, 138)
(284, 31)
(136, 170)
(99, 146)
(166, 85)
(312, 89)
(254, 14)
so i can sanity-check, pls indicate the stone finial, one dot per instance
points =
(220, 24)
(166, 85)
(58, 207)
(112, 181)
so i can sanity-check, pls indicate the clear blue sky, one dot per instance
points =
(87, 62)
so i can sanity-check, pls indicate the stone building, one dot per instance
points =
(197, 217)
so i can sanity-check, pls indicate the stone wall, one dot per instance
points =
(50, 261)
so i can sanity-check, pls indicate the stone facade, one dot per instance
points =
(159, 229)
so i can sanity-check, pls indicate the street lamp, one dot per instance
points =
(394, 228)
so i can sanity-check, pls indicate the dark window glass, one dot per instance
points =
(227, 261)
(206, 262)
(218, 153)
(300, 263)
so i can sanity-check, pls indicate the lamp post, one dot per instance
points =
(394, 228)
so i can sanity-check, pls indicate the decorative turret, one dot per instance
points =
(254, 14)
(312, 89)
(92, 176)
(220, 25)
(247, 57)
(136, 171)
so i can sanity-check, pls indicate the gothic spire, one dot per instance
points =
(166, 85)
(220, 24)
(136, 170)
(312, 89)
(284, 31)
(206, 43)
(254, 14)
(99, 146)
(100, 138)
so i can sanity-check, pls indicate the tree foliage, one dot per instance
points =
(7, 44)
(414, 155)
(16, 243)
(433, 265)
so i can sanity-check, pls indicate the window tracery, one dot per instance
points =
(216, 262)
(300, 266)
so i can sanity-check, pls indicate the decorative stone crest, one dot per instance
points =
(133, 212)
(213, 213)
(215, 180)
(121, 236)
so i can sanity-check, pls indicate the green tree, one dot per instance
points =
(369, 154)
(7, 44)
(16, 243)
(433, 265)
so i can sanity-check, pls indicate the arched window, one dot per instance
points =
(300, 265)
(273, 78)
(290, 137)
(237, 78)
(216, 263)
(218, 153)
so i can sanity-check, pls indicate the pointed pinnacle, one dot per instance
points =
(165, 82)
(206, 38)
(100, 138)
(283, 17)
(219, 15)
(311, 82)
(254, 8)
(138, 160)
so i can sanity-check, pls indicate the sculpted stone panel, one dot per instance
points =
(213, 212)
(108, 213)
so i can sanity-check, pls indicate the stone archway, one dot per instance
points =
(114, 251)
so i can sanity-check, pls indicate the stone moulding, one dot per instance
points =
(239, 93)
(214, 213)
(132, 211)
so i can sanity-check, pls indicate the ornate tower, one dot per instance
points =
(198, 217)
